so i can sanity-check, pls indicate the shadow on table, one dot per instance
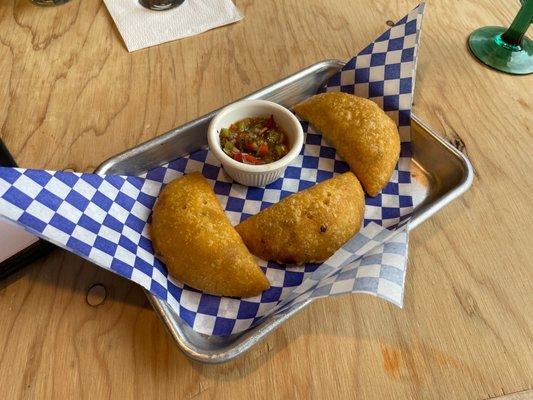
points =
(323, 319)
(317, 322)
(69, 272)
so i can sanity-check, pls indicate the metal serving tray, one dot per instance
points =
(440, 174)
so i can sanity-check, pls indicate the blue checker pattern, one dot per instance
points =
(105, 219)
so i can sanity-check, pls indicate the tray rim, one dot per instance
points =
(160, 139)
(249, 338)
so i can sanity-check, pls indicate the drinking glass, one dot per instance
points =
(160, 5)
(507, 50)
(49, 2)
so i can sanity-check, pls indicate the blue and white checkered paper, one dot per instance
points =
(105, 218)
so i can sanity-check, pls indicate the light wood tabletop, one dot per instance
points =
(71, 96)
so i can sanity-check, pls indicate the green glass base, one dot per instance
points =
(487, 45)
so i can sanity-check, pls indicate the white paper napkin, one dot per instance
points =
(142, 28)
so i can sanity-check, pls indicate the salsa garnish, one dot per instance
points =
(257, 140)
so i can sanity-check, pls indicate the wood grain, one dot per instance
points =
(521, 395)
(72, 96)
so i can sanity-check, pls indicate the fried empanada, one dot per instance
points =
(363, 135)
(308, 226)
(193, 237)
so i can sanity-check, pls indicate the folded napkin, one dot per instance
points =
(141, 27)
(105, 219)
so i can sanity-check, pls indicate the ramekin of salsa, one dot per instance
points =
(255, 140)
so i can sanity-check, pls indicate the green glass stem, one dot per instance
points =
(513, 36)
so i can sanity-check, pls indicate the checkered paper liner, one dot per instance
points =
(105, 219)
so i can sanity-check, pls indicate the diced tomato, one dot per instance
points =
(249, 159)
(237, 157)
(263, 149)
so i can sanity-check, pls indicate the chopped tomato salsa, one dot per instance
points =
(257, 140)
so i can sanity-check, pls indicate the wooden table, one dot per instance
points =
(72, 96)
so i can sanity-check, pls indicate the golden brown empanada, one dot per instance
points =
(308, 226)
(360, 131)
(193, 237)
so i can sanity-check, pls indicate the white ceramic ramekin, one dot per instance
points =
(247, 174)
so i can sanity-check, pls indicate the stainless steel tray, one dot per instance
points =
(440, 174)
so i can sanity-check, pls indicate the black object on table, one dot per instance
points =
(160, 5)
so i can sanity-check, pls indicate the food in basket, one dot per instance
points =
(360, 131)
(308, 226)
(193, 237)
(258, 140)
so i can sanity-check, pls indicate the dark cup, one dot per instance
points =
(160, 5)
(49, 2)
